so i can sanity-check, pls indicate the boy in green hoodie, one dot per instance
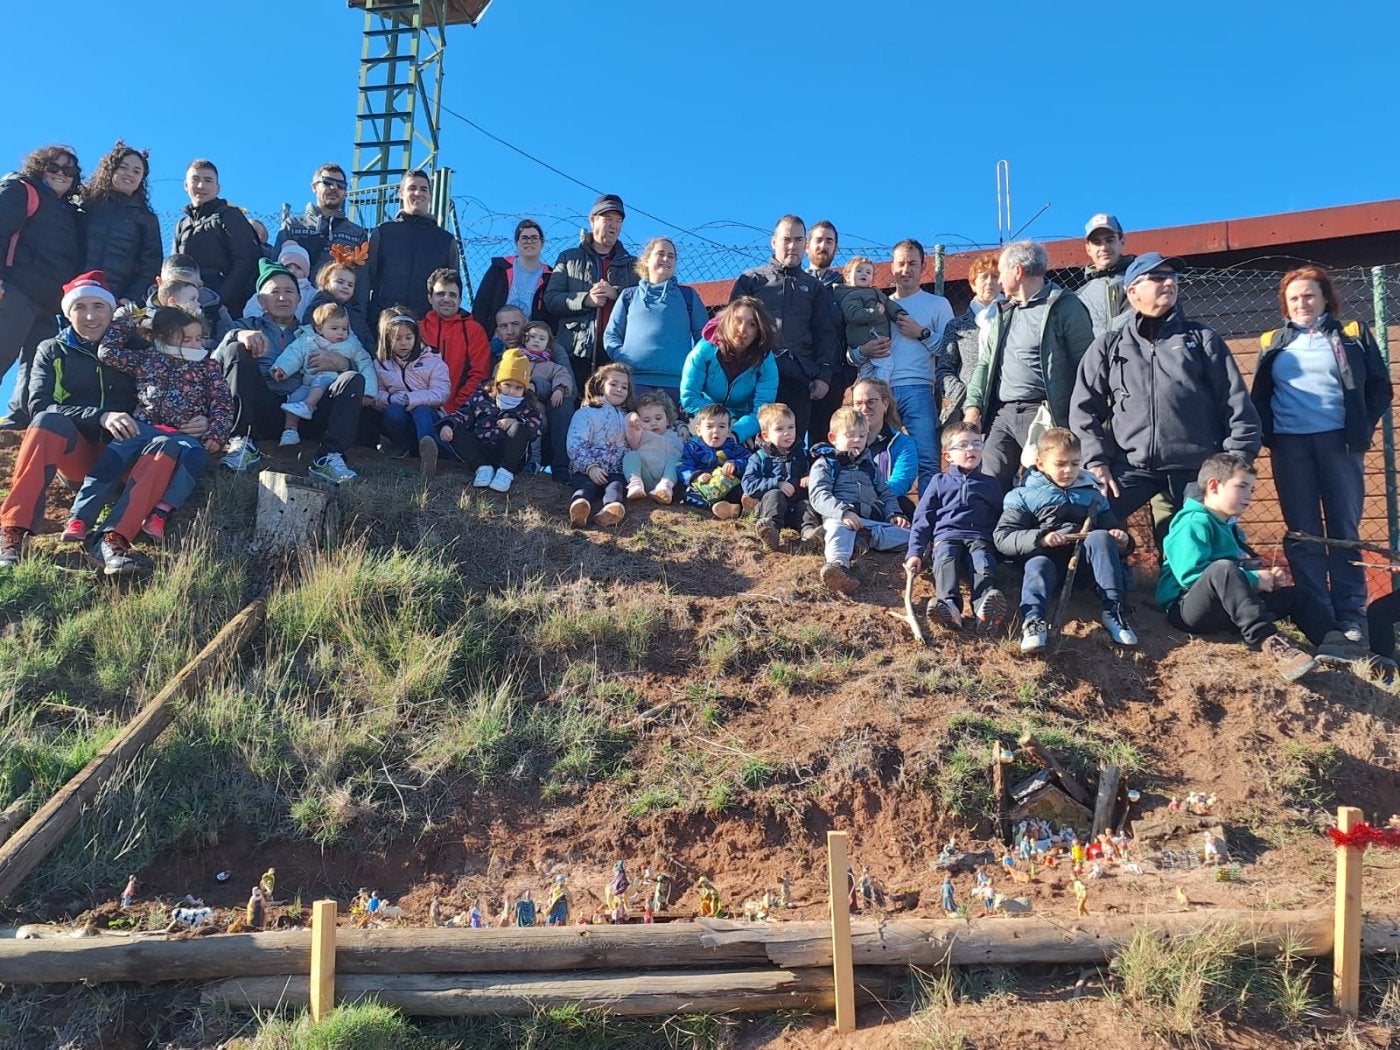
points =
(1205, 587)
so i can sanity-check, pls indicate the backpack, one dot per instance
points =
(31, 205)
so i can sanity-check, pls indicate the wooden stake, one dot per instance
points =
(1106, 800)
(322, 959)
(836, 864)
(1003, 800)
(1346, 937)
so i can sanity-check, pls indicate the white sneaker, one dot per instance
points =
(501, 482)
(289, 437)
(300, 409)
(484, 474)
(332, 467)
(1035, 635)
(1117, 626)
(243, 455)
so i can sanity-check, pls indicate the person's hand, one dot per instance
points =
(195, 426)
(802, 484)
(899, 521)
(1270, 579)
(557, 398)
(602, 292)
(445, 432)
(253, 341)
(1119, 537)
(211, 446)
(682, 431)
(504, 424)
(326, 361)
(874, 348)
(368, 402)
(700, 479)
(1056, 539)
(119, 424)
(973, 416)
(399, 397)
(597, 475)
(1107, 482)
(819, 388)
(914, 565)
(730, 470)
(852, 520)
(277, 374)
(785, 487)
(907, 326)
(634, 423)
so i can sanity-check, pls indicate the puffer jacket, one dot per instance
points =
(956, 505)
(809, 336)
(359, 324)
(704, 382)
(68, 378)
(49, 251)
(403, 253)
(597, 438)
(424, 378)
(316, 233)
(838, 483)
(218, 237)
(494, 290)
(466, 349)
(292, 359)
(1040, 506)
(123, 241)
(576, 325)
(699, 458)
(896, 458)
(1102, 293)
(770, 466)
(171, 391)
(482, 414)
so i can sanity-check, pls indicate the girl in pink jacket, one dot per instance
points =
(413, 385)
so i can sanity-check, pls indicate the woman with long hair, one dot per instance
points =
(123, 233)
(737, 369)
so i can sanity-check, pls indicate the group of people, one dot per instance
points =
(1030, 424)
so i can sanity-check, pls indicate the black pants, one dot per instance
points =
(23, 326)
(952, 558)
(508, 452)
(1223, 598)
(819, 425)
(782, 510)
(257, 408)
(1005, 437)
(1381, 618)
(1136, 487)
(598, 496)
(796, 393)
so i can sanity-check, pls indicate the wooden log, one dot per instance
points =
(293, 512)
(711, 943)
(1106, 800)
(48, 827)
(630, 993)
(12, 816)
(1347, 920)
(1171, 825)
(1074, 788)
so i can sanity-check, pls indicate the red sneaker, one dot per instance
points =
(154, 526)
(74, 532)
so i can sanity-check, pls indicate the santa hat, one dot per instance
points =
(293, 250)
(93, 284)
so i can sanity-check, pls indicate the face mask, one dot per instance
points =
(183, 353)
(509, 401)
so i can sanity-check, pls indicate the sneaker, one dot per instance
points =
(991, 609)
(1354, 630)
(427, 455)
(14, 422)
(726, 511)
(289, 438)
(1117, 625)
(75, 531)
(1291, 663)
(1378, 667)
(838, 578)
(13, 540)
(333, 468)
(579, 511)
(636, 490)
(484, 474)
(243, 455)
(768, 532)
(664, 492)
(1336, 651)
(611, 514)
(945, 613)
(113, 550)
(1035, 635)
(154, 526)
(300, 409)
(501, 482)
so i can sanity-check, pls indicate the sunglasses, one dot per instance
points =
(337, 183)
(61, 169)
(1159, 276)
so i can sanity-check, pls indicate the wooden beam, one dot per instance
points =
(13, 816)
(1346, 936)
(48, 827)
(837, 863)
(1073, 788)
(322, 984)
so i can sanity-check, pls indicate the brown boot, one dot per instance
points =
(726, 511)
(768, 533)
(839, 579)
(1291, 663)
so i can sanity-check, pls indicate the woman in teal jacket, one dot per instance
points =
(737, 369)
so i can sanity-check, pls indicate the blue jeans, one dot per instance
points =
(405, 427)
(117, 458)
(920, 414)
(841, 539)
(1318, 479)
(1044, 572)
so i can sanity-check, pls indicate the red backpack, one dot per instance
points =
(31, 205)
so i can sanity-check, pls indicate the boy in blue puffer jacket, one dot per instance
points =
(712, 462)
(776, 478)
(1038, 523)
(957, 515)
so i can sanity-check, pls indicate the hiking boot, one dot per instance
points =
(113, 550)
(838, 578)
(747, 503)
(768, 533)
(300, 409)
(76, 531)
(945, 613)
(726, 511)
(1291, 663)
(1354, 630)
(1336, 651)
(501, 482)
(289, 438)
(991, 608)
(13, 540)
(333, 468)
(1116, 624)
(611, 514)
(484, 474)
(243, 455)
(154, 526)
(1035, 635)
(16, 421)
(636, 489)
(427, 456)
(579, 510)
(665, 491)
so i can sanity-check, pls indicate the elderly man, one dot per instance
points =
(405, 251)
(808, 335)
(1102, 294)
(1034, 343)
(325, 225)
(1157, 395)
(247, 354)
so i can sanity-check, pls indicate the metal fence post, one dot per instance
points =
(939, 252)
(1382, 327)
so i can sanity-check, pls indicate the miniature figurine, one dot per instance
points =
(525, 910)
(615, 894)
(1076, 854)
(1106, 847)
(1174, 806)
(648, 914)
(129, 894)
(268, 882)
(1008, 861)
(950, 907)
(557, 908)
(1095, 870)
(948, 852)
(474, 916)
(785, 893)
(257, 910)
(1081, 898)
(374, 904)
(758, 910)
(867, 888)
(435, 912)
(709, 897)
(507, 915)
(1025, 847)
(1213, 848)
(660, 891)
(1199, 803)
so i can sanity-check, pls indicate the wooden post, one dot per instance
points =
(322, 959)
(293, 512)
(836, 865)
(1107, 799)
(1346, 937)
(1003, 800)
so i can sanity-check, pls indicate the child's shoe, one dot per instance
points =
(1337, 651)
(579, 510)
(747, 503)
(289, 438)
(484, 475)
(811, 533)
(427, 455)
(838, 578)
(154, 526)
(636, 490)
(74, 532)
(1354, 630)
(113, 552)
(1291, 663)
(945, 613)
(1117, 625)
(991, 609)
(726, 511)
(611, 514)
(300, 409)
(501, 482)
(768, 532)
(1035, 635)
(665, 491)
(243, 455)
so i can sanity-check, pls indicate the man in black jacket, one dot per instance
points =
(808, 336)
(217, 235)
(404, 252)
(324, 224)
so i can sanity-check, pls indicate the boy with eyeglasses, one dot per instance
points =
(956, 516)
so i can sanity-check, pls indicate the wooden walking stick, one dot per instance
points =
(910, 617)
(1067, 588)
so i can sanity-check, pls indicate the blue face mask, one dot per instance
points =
(509, 401)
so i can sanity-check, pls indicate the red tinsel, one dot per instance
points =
(1364, 835)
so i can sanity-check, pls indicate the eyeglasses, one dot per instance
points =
(61, 169)
(966, 446)
(337, 183)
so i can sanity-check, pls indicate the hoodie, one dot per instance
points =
(1197, 538)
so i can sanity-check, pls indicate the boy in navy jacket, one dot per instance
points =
(712, 462)
(775, 481)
